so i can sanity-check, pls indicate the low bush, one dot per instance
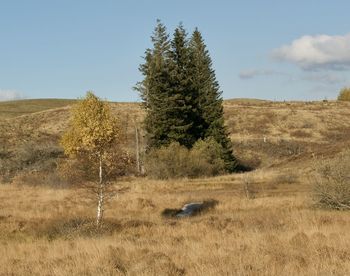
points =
(71, 228)
(168, 162)
(301, 134)
(332, 182)
(77, 171)
(286, 177)
(344, 94)
(176, 161)
(29, 157)
(207, 158)
(50, 179)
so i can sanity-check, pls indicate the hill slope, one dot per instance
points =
(263, 133)
(264, 218)
(11, 109)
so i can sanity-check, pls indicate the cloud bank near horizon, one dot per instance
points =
(326, 78)
(252, 73)
(318, 52)
(9, 95)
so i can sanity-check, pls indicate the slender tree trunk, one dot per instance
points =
(100, 195)
(138, 167)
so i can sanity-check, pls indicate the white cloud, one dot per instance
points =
(252, 73)
(317, 52)
(8, 95)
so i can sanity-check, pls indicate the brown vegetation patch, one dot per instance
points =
(299, 240)
(148, 262)
(336, 134)
(144, 203)
(137, 223)
(72, 228)
(301, 134)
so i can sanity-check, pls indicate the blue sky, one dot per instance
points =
(277, 50)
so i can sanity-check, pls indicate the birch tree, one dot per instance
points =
(92, 135)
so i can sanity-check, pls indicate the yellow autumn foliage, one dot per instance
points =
(93, 128)
(344, 94)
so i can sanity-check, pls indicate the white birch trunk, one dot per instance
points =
(138, 167)
(100, 195)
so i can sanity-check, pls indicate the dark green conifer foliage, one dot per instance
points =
(183, 111)
(180, 93)
(155, 88)
(209, 98)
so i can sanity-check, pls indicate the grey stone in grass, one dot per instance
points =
(190, 209)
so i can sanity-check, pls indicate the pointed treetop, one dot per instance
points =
(160, 36)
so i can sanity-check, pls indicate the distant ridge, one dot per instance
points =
(15, 108)
(10, 109)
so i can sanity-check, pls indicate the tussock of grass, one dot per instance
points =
(63, 228)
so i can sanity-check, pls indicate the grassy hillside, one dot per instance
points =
(270, 132)
(11, 109)
(263, 133)
(265, 222)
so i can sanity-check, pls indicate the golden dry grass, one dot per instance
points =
(11, 109)
(273, 132)
(262, 132)
(277, 232)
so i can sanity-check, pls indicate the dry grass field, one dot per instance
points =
(277, 232)
(265, 222)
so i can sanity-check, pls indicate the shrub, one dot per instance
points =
(36, 178)
(176, 161)
(71, 228)
(168, 162)
(301, 134)
(27, 158)
(344, 94)
(207, 158)
(75, 172)
(332, 182)
(286, 177)
(37, 155)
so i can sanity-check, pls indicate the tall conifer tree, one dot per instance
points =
(181, 94)
(155, 88)
(209, 98)
(182, 107)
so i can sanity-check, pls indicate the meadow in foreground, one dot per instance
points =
(274, 231)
